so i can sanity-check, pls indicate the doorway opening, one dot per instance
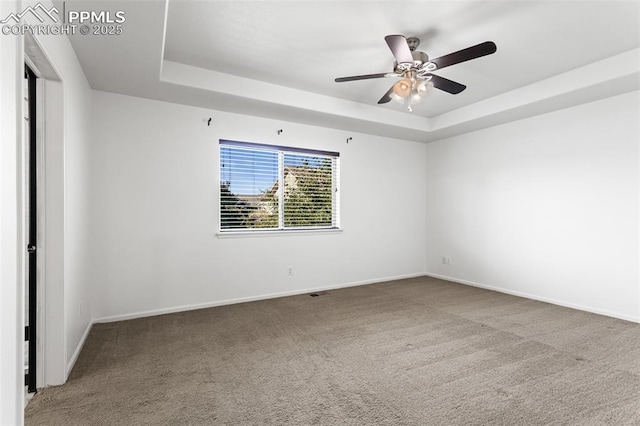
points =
(31, 293)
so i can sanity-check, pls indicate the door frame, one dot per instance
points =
(50, 341)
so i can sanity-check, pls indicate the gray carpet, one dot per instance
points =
(411, 352)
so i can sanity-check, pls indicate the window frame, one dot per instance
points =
(281, 152)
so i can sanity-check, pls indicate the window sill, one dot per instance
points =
(277, 233)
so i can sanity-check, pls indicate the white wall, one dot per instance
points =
(156, 191)
(11, 278)
(51, 244)
(546, 207)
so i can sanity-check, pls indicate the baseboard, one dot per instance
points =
(536, 297)
(76, 353)
(192, 307)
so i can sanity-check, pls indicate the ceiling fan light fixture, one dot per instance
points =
(415, 67)
(402, 88)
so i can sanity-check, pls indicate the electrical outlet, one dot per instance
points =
(446, 260)
(290, 270)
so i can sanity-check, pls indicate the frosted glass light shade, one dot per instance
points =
(402, 88)
(396, 98)
(420, 92)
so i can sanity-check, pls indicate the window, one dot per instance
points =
(265, 187)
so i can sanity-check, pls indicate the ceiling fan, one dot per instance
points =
(415, 70)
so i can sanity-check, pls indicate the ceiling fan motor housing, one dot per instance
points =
(413, 43)
(419, 59)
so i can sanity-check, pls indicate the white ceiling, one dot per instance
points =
(279, 58)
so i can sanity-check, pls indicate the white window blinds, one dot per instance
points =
(264, 187)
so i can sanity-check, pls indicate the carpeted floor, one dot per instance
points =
(412, 352)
